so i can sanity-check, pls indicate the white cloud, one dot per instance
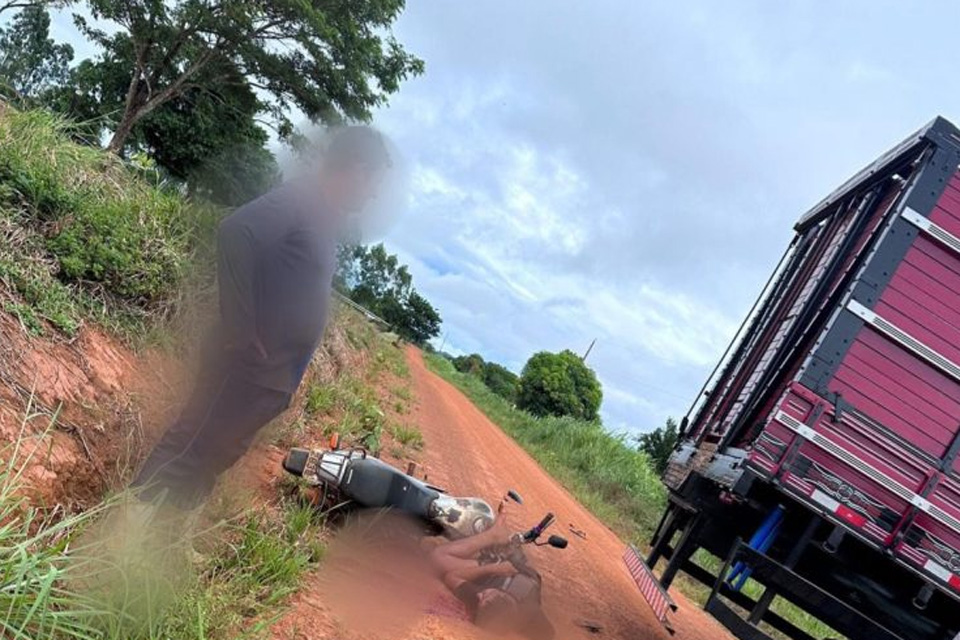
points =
(631, 172)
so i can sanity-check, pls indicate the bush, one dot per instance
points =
(660, 443)
(559, 384)
(472, 364)
(98, 224)
(501, 381)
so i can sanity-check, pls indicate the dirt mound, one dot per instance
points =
(70, 402)
(89, 408)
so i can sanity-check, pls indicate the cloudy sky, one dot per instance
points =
(630, 171)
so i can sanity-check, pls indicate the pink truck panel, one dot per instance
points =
(873, 442)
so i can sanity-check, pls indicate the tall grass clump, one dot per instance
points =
(613, 479)
(59, 579)
(34, 562)
(76, 219)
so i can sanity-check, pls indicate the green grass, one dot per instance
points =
(60, 584)
(389, 358)
(34, 562)
(321, 399)
(407, 436)
(255, 562)
(609, 476)
(84, 236)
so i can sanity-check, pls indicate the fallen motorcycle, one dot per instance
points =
(352, 477)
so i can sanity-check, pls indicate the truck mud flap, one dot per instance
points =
(655, 595)
(795, 588)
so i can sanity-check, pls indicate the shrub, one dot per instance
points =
(96, 223)
(501, 381)
(472, 364)
(559, 384)
(660, 443)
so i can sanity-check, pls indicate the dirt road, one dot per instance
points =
(467, 451)
(469, 454)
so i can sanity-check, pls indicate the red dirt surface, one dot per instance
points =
(73, 403)
(468, 454)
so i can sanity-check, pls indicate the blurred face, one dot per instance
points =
(358, 186)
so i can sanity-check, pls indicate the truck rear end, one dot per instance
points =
(821, 460)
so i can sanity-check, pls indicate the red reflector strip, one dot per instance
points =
(654, 595)
(842, 511)
(943, 573)
(851, 516)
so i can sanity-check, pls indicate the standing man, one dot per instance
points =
(276, 261)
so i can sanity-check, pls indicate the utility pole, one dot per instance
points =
(589, 349)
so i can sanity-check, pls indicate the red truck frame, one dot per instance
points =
(821, 458)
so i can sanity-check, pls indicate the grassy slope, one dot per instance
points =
(250, 558)
(84, 236)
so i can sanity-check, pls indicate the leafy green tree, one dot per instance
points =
(207, 138)
(660, 443)
(559, 384)
(421, 321)
(375, 279)
(501, 381)
(375, 275)
(31, 63)
(330, 59)
(12, 5)
(473, 364)
(498, 378)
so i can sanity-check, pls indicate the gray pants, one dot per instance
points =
(215, 429)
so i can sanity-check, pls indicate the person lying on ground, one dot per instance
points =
(502, 597)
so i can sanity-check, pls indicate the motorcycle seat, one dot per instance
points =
(375, 484)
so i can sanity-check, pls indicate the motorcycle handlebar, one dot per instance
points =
(537, 531)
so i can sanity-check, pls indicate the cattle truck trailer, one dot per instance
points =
(821, 459)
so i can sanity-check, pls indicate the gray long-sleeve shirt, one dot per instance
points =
(276, 259)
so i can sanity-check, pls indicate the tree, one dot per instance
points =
(498, 378)
(31, 63)
(473, 364)
(377, 280)
(559, 384)
(10, 5)
(210, 140)
(660, 443)
(501, 381)
(207, 138)
(331, 59)
(420, 321)
(375, 275)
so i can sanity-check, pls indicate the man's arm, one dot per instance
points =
(236, 273)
